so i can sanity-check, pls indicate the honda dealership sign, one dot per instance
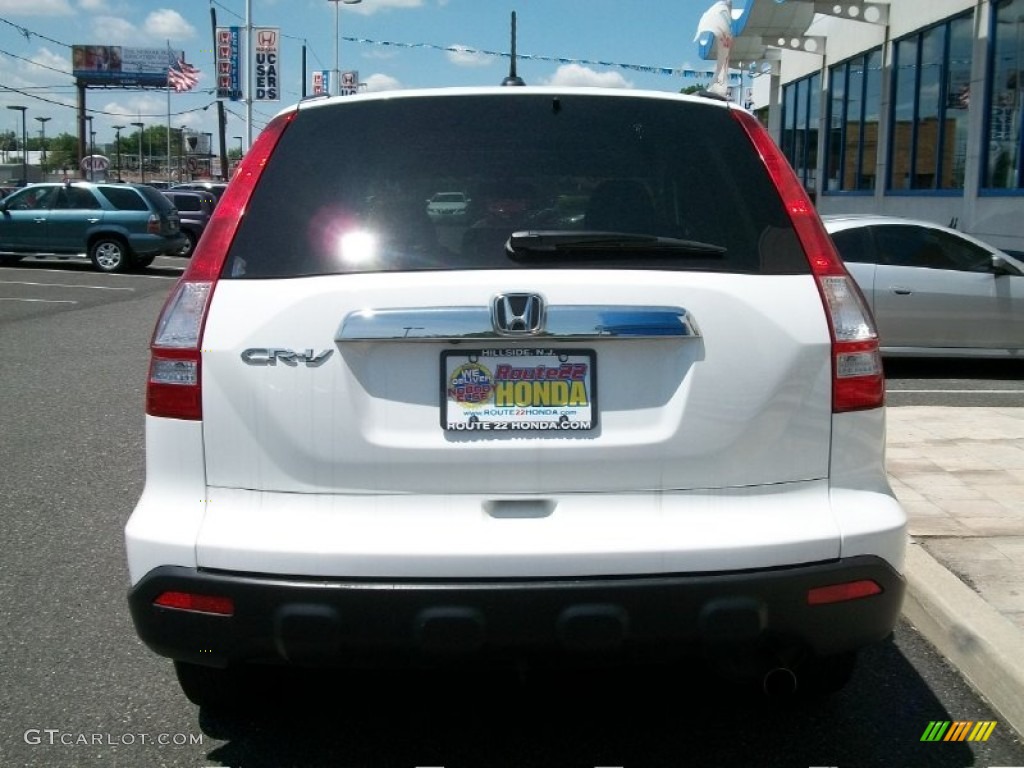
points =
(265, 62)
(228, 68)
(321, 82)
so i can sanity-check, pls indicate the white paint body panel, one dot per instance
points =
(715, 453)
(466, 536)
(165, 524)
(746, 404)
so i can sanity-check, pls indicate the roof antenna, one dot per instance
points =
(513, 78)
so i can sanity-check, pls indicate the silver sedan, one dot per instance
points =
(934, 291)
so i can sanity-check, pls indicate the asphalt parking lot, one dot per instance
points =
(74, 351)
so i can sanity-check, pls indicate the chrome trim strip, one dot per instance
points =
(569, 323)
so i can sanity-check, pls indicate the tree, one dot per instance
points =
(62, 151)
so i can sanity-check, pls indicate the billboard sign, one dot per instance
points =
(228, 63)
(266, 56)
(118, 65)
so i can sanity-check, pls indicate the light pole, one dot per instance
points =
(336, 76)
(142, 168)
(24, 147)
(92, 148)
(42, 133)
(181, 154)
(117, 142)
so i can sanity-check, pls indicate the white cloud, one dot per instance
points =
(23, 73)
(370, 7)
(169, 24)
(48, 58)
(380, 82)
(577, 75)
(463, 57)
(380, 53)
(94, 6)
(110, 30)
(36, 8)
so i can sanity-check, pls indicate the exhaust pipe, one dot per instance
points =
(779, 682)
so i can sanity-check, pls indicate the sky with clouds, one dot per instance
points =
(398, 44)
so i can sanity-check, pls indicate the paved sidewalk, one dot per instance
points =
(959, 473)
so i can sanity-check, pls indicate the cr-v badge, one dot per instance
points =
(259, 356)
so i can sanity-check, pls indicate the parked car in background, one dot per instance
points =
(448, 206)
(194, 209)
(658, 436)
(216, 188)
(934, 291)
(119, 226)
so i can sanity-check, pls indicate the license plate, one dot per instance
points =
(518, 390)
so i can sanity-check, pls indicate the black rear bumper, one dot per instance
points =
(372, 622)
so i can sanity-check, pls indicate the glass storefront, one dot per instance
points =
(855, 98)
(1002, 167)
(931, 95)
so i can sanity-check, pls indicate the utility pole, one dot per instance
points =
(248, 73)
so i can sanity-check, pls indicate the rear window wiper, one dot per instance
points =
(547, 243)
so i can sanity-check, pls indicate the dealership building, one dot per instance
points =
(905, 108)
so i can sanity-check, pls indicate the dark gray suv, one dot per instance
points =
(119, 226)
(194, 209)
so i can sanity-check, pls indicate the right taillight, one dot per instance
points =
(174, 388)
(857, 378)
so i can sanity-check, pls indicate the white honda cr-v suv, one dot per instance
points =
(630, 409)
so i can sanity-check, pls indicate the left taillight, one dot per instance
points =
(174, 388)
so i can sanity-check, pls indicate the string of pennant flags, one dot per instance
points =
(459, 49)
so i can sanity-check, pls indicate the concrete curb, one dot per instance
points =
(985, 646)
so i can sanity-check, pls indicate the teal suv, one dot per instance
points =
(119, 226)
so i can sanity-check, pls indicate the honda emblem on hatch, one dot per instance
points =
(517, 314)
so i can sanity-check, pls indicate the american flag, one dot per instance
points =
(182, 76)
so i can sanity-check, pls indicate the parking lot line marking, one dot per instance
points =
(64, 285)
(41, 301)
(112, 274)
(149, 277)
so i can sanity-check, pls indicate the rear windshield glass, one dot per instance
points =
(155, 197)
(186, 202)
(355, 187)
(124, 198)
